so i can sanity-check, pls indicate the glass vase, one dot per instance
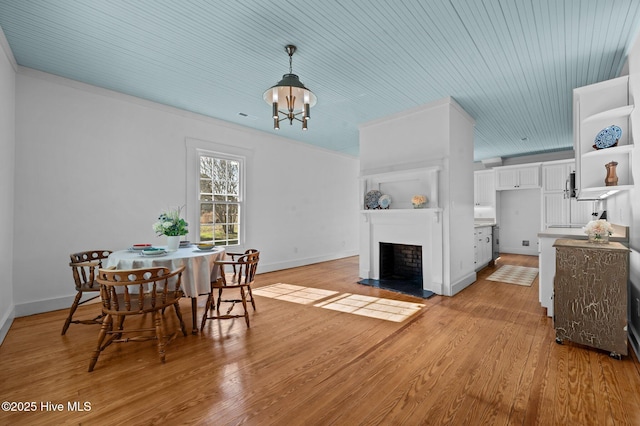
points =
(598, 238)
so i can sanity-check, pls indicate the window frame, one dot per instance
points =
(197, 149)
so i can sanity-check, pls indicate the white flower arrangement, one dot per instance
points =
(171, 224)
(598, 228)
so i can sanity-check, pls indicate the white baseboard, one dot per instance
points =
(528, 251)
(40, 306)
(270, 267)
(462, 283)
(5, 323)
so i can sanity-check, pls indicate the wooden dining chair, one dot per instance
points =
(230, 274)
(84, 266)
(128, 292)
(237, 273)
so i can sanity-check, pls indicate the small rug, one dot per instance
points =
(520, 275)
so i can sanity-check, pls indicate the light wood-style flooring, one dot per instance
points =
(485, 356)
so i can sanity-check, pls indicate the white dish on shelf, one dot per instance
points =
(384, 201)
(608, 137)
(371, 199)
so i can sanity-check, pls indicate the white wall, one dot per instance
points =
(460, 219)
(520, 218)
(7, 168)
(95, 168)
(411, 139)
(634, 200)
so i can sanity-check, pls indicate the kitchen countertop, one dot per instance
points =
(620, 233)
(479, 223)
(573, 243)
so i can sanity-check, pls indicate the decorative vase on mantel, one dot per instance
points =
(173, 242)
(419, 201)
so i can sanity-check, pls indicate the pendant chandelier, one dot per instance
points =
(294, 94)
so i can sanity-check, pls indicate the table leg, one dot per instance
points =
(194, 311)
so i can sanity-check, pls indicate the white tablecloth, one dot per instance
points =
(199, 265)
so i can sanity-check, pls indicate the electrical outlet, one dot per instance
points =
(525, 243)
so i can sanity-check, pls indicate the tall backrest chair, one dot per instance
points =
(238, 273)
(128, 292)
(84, 266)
(231, 272)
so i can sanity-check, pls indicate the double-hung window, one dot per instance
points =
(220, 199)
(216, 200)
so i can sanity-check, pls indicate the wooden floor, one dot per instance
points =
(485, 356)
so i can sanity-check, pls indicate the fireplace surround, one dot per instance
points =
(420, 228)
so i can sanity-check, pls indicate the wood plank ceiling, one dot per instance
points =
(511, 64)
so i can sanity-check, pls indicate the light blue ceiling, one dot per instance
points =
(511, 64)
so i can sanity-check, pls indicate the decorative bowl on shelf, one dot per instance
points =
(371, 199)
(384, 201)
(608, 137)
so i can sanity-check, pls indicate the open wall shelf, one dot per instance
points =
(596, 107)
(401, 186)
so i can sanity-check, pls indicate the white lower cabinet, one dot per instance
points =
(547, 271)
(483, 246)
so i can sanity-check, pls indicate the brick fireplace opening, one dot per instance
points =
(400, 269)
(401, 262)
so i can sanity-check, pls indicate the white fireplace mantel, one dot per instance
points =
(418, 227)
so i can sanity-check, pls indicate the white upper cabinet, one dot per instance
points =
(558, 207)
(597, 108)
(555, 177)
(484, 188)
(518, 177)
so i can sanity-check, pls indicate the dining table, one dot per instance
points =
(200, 268)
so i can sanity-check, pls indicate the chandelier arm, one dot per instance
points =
(288, 117)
